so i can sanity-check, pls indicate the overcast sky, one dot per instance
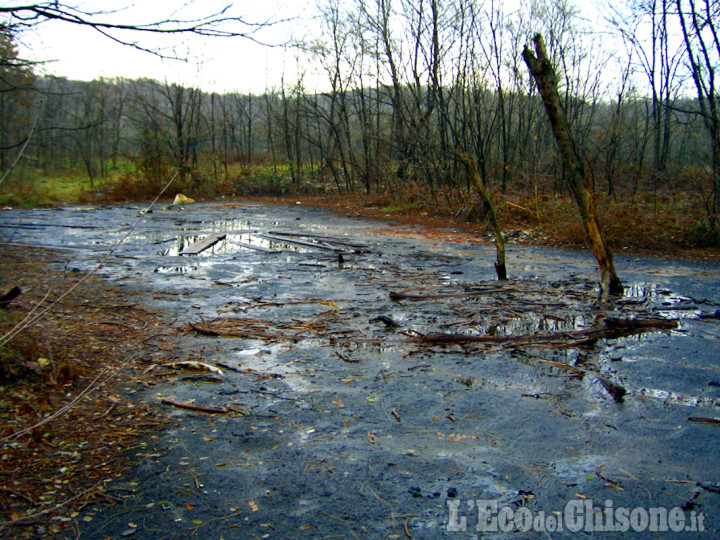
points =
(220, 64)
(214, 64)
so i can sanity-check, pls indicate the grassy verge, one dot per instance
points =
(30, 186)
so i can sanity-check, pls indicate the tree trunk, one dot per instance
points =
(544, 75)
(472, 168)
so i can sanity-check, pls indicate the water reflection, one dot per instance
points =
(231, 244)
(249, 240)
(236, 225)
(674, 397)
(531, 323)
(652, 292)
(661, 301)
(182, 269)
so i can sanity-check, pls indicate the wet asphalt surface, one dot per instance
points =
(343, 424)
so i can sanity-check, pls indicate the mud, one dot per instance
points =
(341, 423)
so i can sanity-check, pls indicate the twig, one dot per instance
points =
(341, 520)
(405, 526)
(25, 520)
(19, 495)
(378, 497)
(202, 330)
(229, 367)
(345, 358)
(110, 409)
(518, 206)
(190, 406)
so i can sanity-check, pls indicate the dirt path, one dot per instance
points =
(332, 417)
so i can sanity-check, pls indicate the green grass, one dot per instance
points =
(43, 192)
(64, 189)
(68, 183)
(402, 208)
(32, 186)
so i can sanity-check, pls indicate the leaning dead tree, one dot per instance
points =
(542, 71)
(474, 174)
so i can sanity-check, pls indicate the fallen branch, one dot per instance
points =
(615, 390)
(345, 358)
(703, 420)
(398, 295)
(611, 328)
(190, 406)
(237, 328)
(229, 367)
(194, 364)
(9, 296)
(202, 330)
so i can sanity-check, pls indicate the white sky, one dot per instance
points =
(214, 63)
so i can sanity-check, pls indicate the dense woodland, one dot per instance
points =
(406, 87)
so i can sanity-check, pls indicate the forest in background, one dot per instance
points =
(408, 86)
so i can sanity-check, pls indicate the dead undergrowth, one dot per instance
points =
(67, 422)
(662, 224)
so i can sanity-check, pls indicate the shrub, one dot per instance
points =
(702, 234)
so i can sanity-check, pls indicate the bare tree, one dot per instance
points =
(542, 70)
(698, 20)
(183, 114)
(644, 27)
(16, 98)
(338, 55)
(377, 18)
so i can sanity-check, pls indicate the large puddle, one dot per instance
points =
(381, 380)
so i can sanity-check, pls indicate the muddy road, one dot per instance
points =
(331, 390)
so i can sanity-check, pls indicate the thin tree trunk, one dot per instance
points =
(544, 75)
(474, 174)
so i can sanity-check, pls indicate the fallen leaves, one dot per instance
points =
(200, 408)
(59, 465)
(460, 437)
